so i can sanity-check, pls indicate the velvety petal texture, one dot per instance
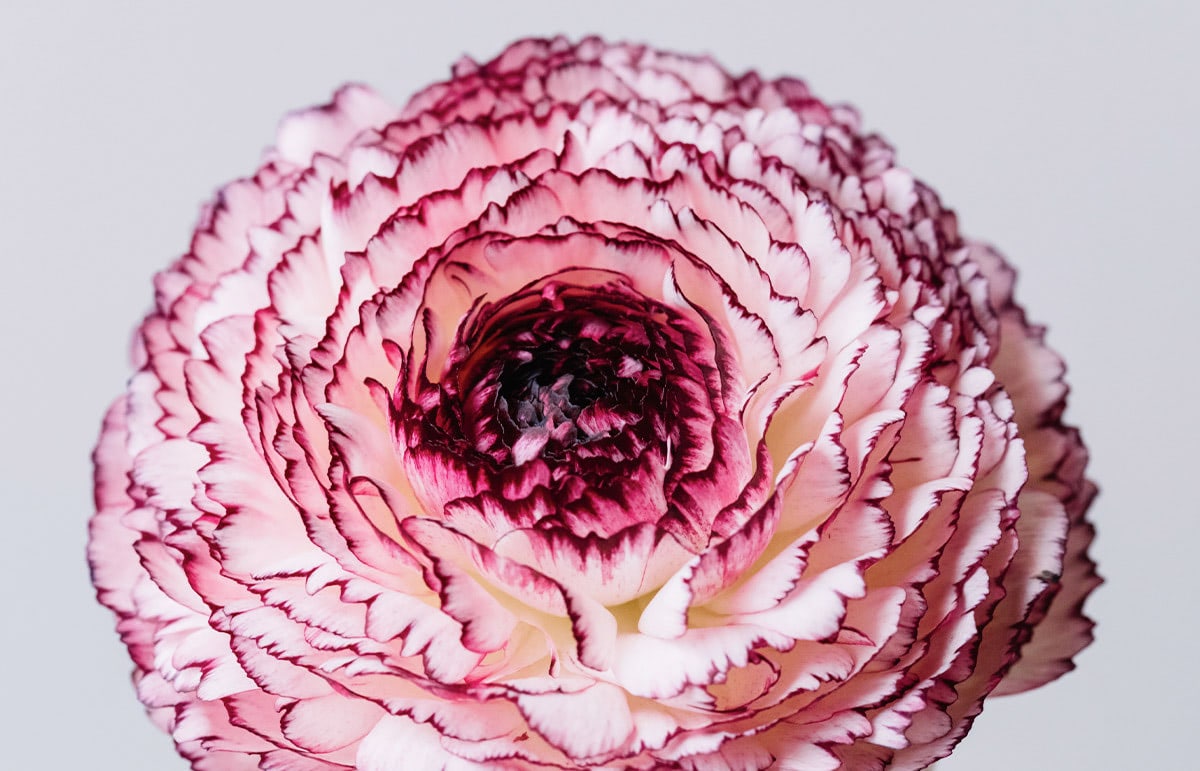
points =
(597, 409)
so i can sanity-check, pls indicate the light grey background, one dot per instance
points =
(1064, 132)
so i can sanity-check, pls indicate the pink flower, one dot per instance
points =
(595, 409)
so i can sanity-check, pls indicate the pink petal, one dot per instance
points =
(568, 720)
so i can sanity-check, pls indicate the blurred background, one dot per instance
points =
(1065, 133)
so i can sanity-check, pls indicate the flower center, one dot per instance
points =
(586, 409)
(543, 380)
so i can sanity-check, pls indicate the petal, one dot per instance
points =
(569, 720)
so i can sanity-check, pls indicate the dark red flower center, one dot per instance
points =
(550, 375)
(584, 406)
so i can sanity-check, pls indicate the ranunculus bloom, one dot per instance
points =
(595, 409)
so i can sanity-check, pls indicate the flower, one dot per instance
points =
(595, 409)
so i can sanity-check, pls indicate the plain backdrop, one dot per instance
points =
(1066, 133)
